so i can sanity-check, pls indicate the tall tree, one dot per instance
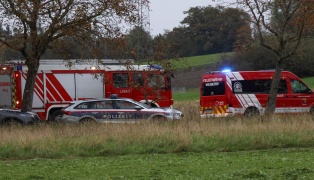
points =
(280, 26)
(140, 43)
(40, 23)
(213, 29)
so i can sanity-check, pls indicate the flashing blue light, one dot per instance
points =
(154, 66)
(19, 67)
(226, 70)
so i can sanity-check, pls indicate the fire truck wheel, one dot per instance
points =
(87, 120)
(55, 116)
(251, 112)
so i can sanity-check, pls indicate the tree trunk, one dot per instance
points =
(28, 93)
(271, 103)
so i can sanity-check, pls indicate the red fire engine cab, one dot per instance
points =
(58, 84)
(246, 93)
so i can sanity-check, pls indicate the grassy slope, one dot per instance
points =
(192, 61)
(309, 81)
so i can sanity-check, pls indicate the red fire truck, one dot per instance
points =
(58, 84)
(247, 92)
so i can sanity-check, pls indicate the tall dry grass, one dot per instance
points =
(192, 134)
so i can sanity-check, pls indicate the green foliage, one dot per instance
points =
(209, 29)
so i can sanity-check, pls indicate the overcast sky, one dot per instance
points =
(167, 14)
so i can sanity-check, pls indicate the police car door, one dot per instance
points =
(124, 111)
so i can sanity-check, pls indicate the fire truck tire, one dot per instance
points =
(55, 115)
(251, 112)
(87, 120)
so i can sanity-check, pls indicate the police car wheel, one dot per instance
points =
(251, 112)
(159, 119)
(87, 120)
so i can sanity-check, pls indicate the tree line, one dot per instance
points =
(204, 30)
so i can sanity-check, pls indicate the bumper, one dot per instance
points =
(228, 113)
(69, 119)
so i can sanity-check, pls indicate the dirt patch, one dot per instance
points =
(188, 78)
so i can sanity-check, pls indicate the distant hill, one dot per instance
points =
(189, 70)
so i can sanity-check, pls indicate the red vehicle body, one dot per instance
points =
(57, 86)
(247, 92)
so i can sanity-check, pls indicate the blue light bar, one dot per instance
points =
(226, 70)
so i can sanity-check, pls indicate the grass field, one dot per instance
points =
(262, 164)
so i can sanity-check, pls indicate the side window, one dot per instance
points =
(138, 80)
(282, 87)
(107, 104)
(251, 86)
(90, 105)
(257, 86)
(82, 106)
(125, 105)
(156, 81)
(299, 87)
(120, 80)
(213, 88)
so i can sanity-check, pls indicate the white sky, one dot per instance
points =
(167, 14)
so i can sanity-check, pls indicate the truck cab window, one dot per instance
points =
(156, 81)
(299, 87)
(138, 80)
(120, 80)
(213, 88)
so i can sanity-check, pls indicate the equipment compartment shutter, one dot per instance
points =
(87, 86)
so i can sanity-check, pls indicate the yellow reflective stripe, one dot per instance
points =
(13, 92)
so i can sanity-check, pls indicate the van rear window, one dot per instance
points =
(213, 88)
(257, 86)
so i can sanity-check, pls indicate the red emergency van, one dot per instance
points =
(246, 93)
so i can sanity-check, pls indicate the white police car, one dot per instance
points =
(115, 110)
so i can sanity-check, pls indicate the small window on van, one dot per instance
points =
(213, 88)
(299, 87)
(261, 86)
